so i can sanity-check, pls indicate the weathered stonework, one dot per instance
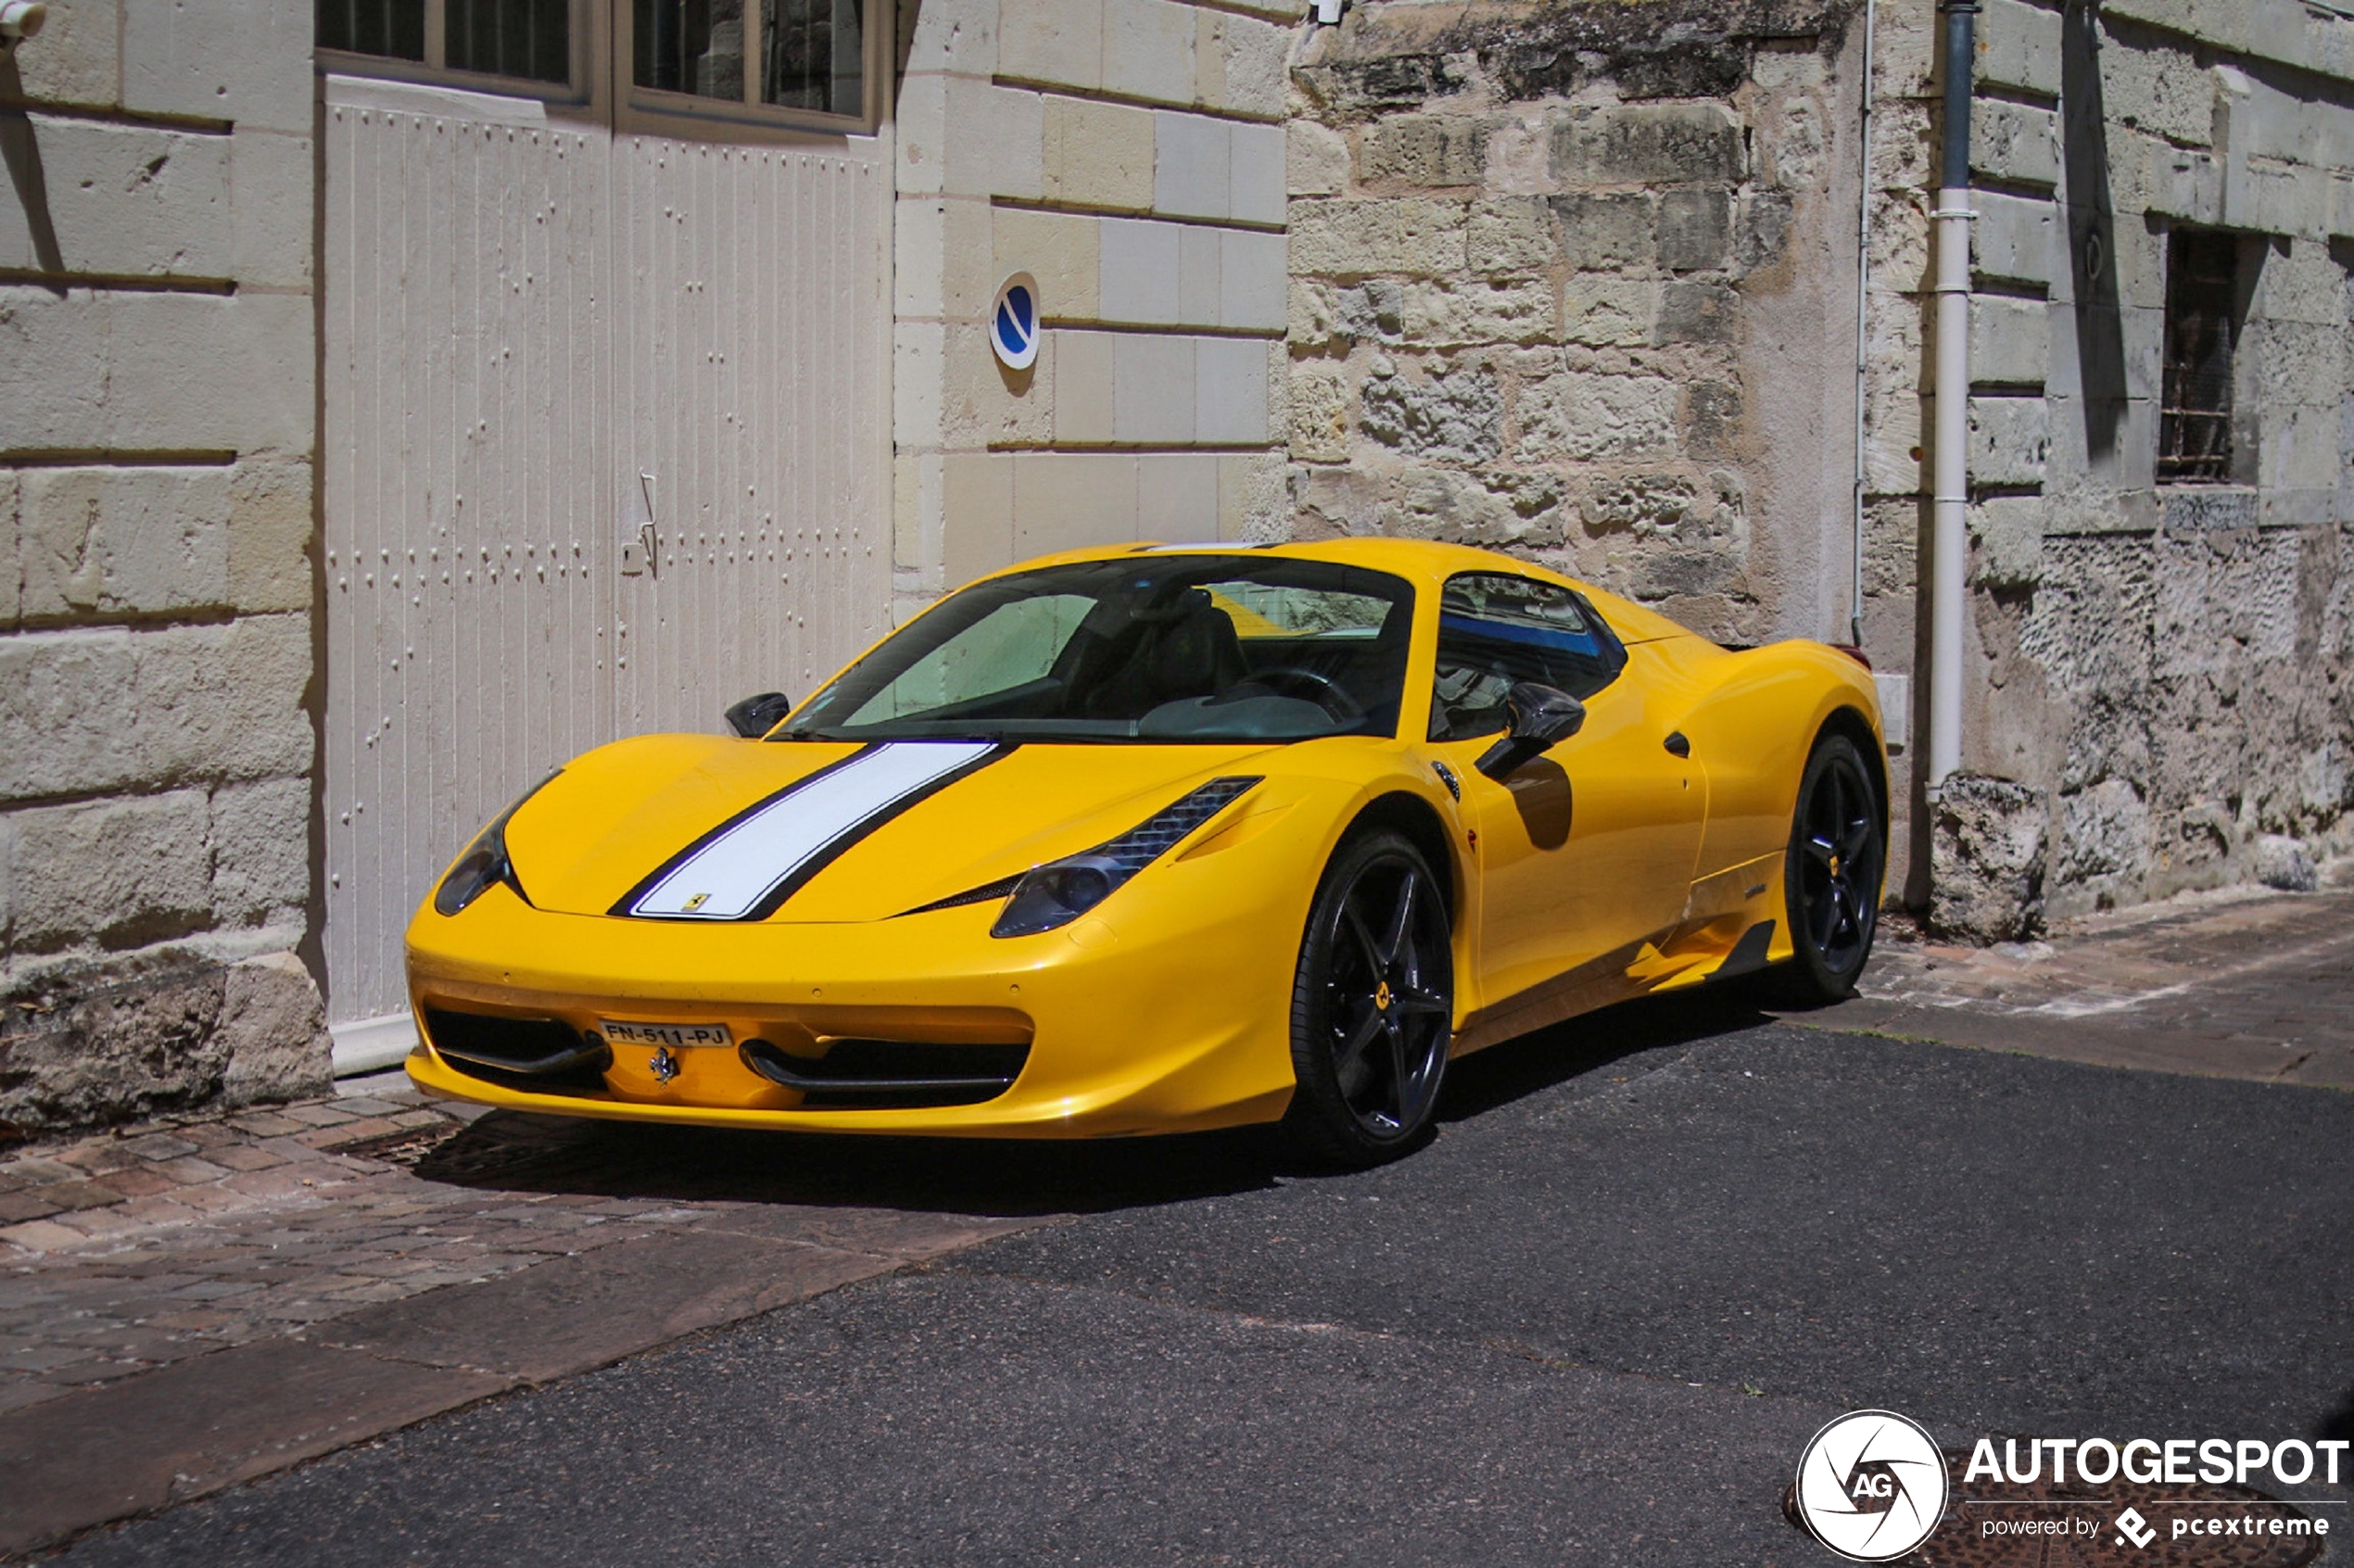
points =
(2166, 664)
(1991, 858)
(1531, 247)
(165, 1031)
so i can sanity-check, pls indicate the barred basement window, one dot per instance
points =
(2202, 329)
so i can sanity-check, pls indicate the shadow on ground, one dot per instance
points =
(513, 1152)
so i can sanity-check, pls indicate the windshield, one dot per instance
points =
(1152, 648)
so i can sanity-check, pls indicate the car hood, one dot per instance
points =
(828, 831)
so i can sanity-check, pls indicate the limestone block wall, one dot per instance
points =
(2158, 671)
(1129, 154)
(1565, 282)
(156, 431)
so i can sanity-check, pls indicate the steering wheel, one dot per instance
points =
(1323, 690)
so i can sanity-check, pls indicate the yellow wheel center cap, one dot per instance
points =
(1834, 865)
(1381, 997)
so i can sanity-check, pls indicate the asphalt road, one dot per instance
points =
(1594, 1322)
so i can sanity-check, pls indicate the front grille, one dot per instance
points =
(542, 1055)
(890, 1074)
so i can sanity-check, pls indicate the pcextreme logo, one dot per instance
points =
(1871, 1486)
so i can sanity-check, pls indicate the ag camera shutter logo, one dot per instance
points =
(1013, 322)
(1871, 1486)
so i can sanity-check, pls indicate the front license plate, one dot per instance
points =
(679, 1037)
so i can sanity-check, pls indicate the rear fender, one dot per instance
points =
(1752, 728)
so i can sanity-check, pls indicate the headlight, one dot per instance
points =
(485, 864)
(1061, 891)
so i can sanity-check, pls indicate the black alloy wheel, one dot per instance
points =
(1373, 1005)
(1838, 851)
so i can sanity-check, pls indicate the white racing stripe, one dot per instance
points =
(727, 878)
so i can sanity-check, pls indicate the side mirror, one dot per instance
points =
(755, 717)
(1543, 717)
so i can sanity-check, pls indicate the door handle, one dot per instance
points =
(641, 546)
(1677, 746)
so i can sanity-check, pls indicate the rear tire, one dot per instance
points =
(1832, 877)
(1373, 1007)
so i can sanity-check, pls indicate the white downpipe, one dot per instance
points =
(1949, 525)
(1863, 304)
(1949, 535)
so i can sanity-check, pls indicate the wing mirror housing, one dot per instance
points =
(1542, 716)
(755, 717)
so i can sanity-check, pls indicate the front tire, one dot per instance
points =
(1831, 878)
(1373, 1007)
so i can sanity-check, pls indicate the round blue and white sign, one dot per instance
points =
(1013, 322)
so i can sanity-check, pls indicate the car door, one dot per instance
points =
(1589, 848)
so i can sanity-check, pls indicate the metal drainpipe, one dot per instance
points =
(1950, 526)
(1862, 303)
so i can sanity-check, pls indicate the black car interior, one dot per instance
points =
(1158, 658)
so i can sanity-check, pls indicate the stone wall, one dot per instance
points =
(1559, 279)
(2161, 668)
(1128, 155)
(157, 429)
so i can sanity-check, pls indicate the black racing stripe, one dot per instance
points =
(1001, 888)
(654, 878)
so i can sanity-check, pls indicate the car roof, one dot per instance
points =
(1427, 562)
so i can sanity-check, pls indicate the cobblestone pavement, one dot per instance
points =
(373, 1258)
(192, 1304)
(133, 1252)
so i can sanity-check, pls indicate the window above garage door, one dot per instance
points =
(785, 63)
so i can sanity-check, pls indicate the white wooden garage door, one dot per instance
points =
(538, 336)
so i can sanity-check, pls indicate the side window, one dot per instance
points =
(1495, 630)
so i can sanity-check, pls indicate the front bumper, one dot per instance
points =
(1163, 1014)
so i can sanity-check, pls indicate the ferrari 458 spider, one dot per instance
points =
(1160, 838)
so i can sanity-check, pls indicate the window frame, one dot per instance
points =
(603, 39)
(434, 70)
(2172, 409)
(646, 107)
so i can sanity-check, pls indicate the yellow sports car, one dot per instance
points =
(1159, 838)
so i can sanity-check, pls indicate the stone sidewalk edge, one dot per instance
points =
(234, 1415)
(2091, 1042)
